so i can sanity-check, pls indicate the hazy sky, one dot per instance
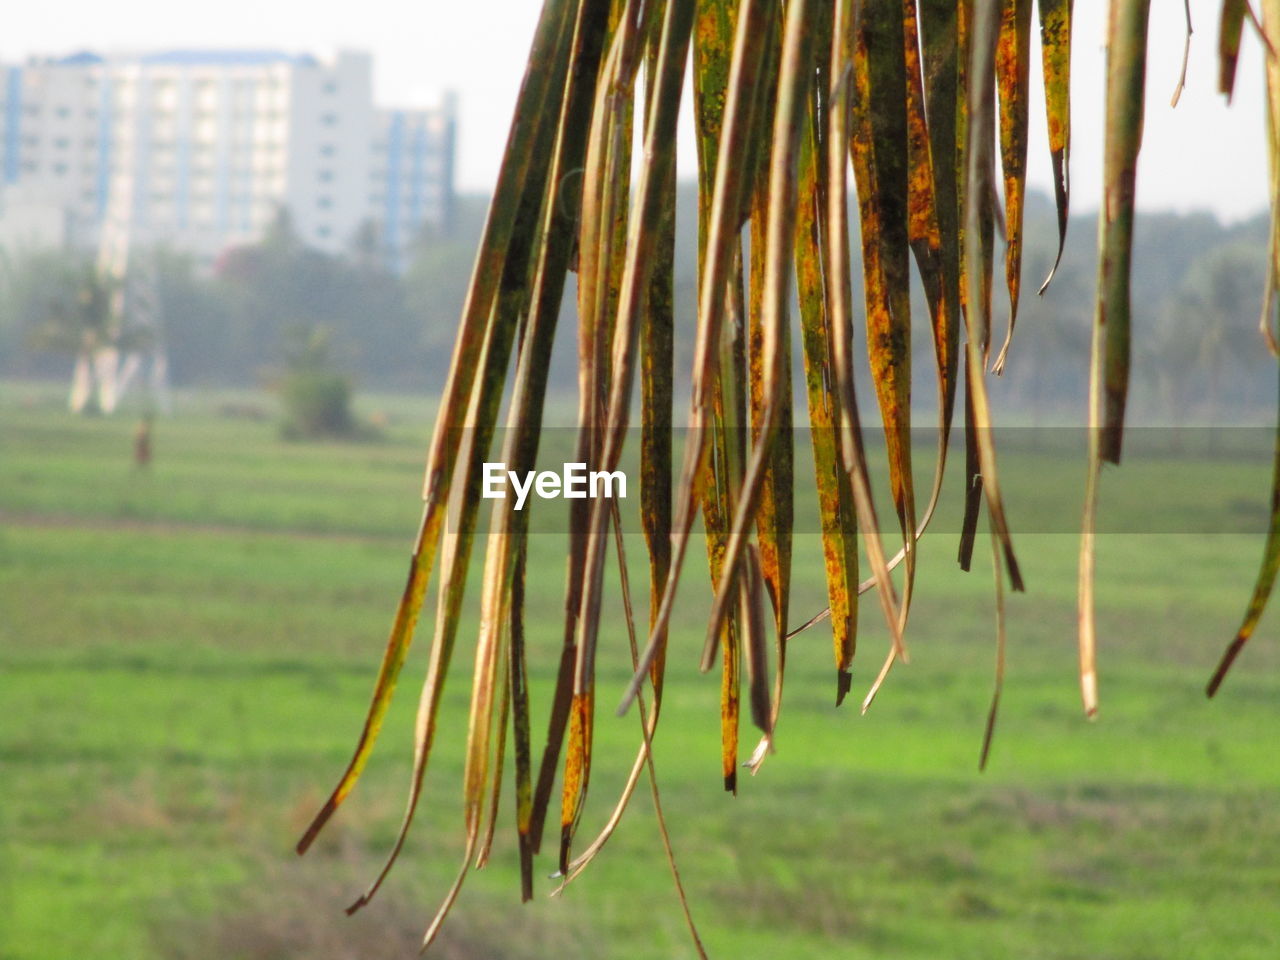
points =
(1201, 155)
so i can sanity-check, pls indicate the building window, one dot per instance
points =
(324, 203)
(63, 112)
(330, 87)
(59, 169)
(164, 95)
(329, 119)
(326, 176)
(61, 143)
(323, 232)
(206, 94)
(328, 150)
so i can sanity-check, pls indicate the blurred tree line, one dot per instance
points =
(236, 323)
(1197, 297)
(1197, 290)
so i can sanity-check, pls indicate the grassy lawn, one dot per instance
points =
(186, 655)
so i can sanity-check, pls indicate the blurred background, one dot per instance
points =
(233, 249)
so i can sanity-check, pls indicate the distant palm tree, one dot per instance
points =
(89, 326)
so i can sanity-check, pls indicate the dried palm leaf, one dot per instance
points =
(789, 98)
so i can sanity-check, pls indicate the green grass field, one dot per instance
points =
(186, 655)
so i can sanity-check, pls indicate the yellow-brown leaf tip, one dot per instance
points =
(844, 682)
(316, 826)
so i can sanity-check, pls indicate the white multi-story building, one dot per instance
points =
(202, 149)
(408, 167)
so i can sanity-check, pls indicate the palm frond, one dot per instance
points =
(912, 98)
